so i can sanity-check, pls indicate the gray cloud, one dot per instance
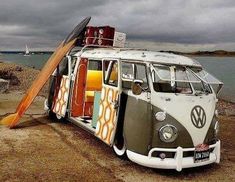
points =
(184, 23)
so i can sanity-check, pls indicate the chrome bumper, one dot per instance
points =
(178, 162)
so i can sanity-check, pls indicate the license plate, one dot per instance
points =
(202, 153)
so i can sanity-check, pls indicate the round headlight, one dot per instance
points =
(168, 133)
(160, 116)
(216, 128)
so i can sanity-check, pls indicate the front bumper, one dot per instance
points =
(178, 162)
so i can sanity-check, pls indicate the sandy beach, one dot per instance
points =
(41, 149)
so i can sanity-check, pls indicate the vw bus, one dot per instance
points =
(158, 109)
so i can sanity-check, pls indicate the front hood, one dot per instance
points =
(195, 113)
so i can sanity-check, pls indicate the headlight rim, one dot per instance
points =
(174, 135)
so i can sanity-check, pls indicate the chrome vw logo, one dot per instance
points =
(198, 117)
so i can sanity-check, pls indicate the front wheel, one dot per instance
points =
(119, 147)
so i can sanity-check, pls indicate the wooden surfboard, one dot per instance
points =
(45, 73)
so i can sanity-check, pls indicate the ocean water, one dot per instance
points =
(35, 61)
(221, 67)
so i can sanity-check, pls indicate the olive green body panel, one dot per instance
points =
(210, 136)
(137, 125)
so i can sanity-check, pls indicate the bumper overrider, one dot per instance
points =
(178, 162)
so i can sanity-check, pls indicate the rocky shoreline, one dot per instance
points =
(21, 77)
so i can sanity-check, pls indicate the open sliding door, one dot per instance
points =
(62, 86)
(79, 89)
(109, 102)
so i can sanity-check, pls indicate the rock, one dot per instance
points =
(9, 75)
(4, 85)
(18, 68)
(14, 80)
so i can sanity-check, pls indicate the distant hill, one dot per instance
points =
(204, 53)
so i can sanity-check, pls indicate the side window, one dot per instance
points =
(110, 70)
(133, 71)
(127, 75)
(141, 74)
(127, 71)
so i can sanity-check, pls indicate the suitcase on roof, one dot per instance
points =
(102, 36)
(106, 35)
(91, 35)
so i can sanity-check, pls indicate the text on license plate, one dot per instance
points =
(200, 156)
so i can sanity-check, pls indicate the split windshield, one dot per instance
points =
(184, 80)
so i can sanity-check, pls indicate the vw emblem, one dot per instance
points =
(198, 117)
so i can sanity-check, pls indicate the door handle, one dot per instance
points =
(114, 104)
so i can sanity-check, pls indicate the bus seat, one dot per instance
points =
(93, 83)
(114, 76)
(113, 79)
(94, 80)
(89, 96)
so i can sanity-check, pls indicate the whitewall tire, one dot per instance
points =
(119, 147)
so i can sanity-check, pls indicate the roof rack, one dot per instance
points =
(91, 46)
(95, 46)
(130, 48)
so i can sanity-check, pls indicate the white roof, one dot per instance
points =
(139, 55)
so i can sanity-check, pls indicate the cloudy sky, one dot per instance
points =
(183, 25)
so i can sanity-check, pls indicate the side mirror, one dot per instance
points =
(136, 87)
